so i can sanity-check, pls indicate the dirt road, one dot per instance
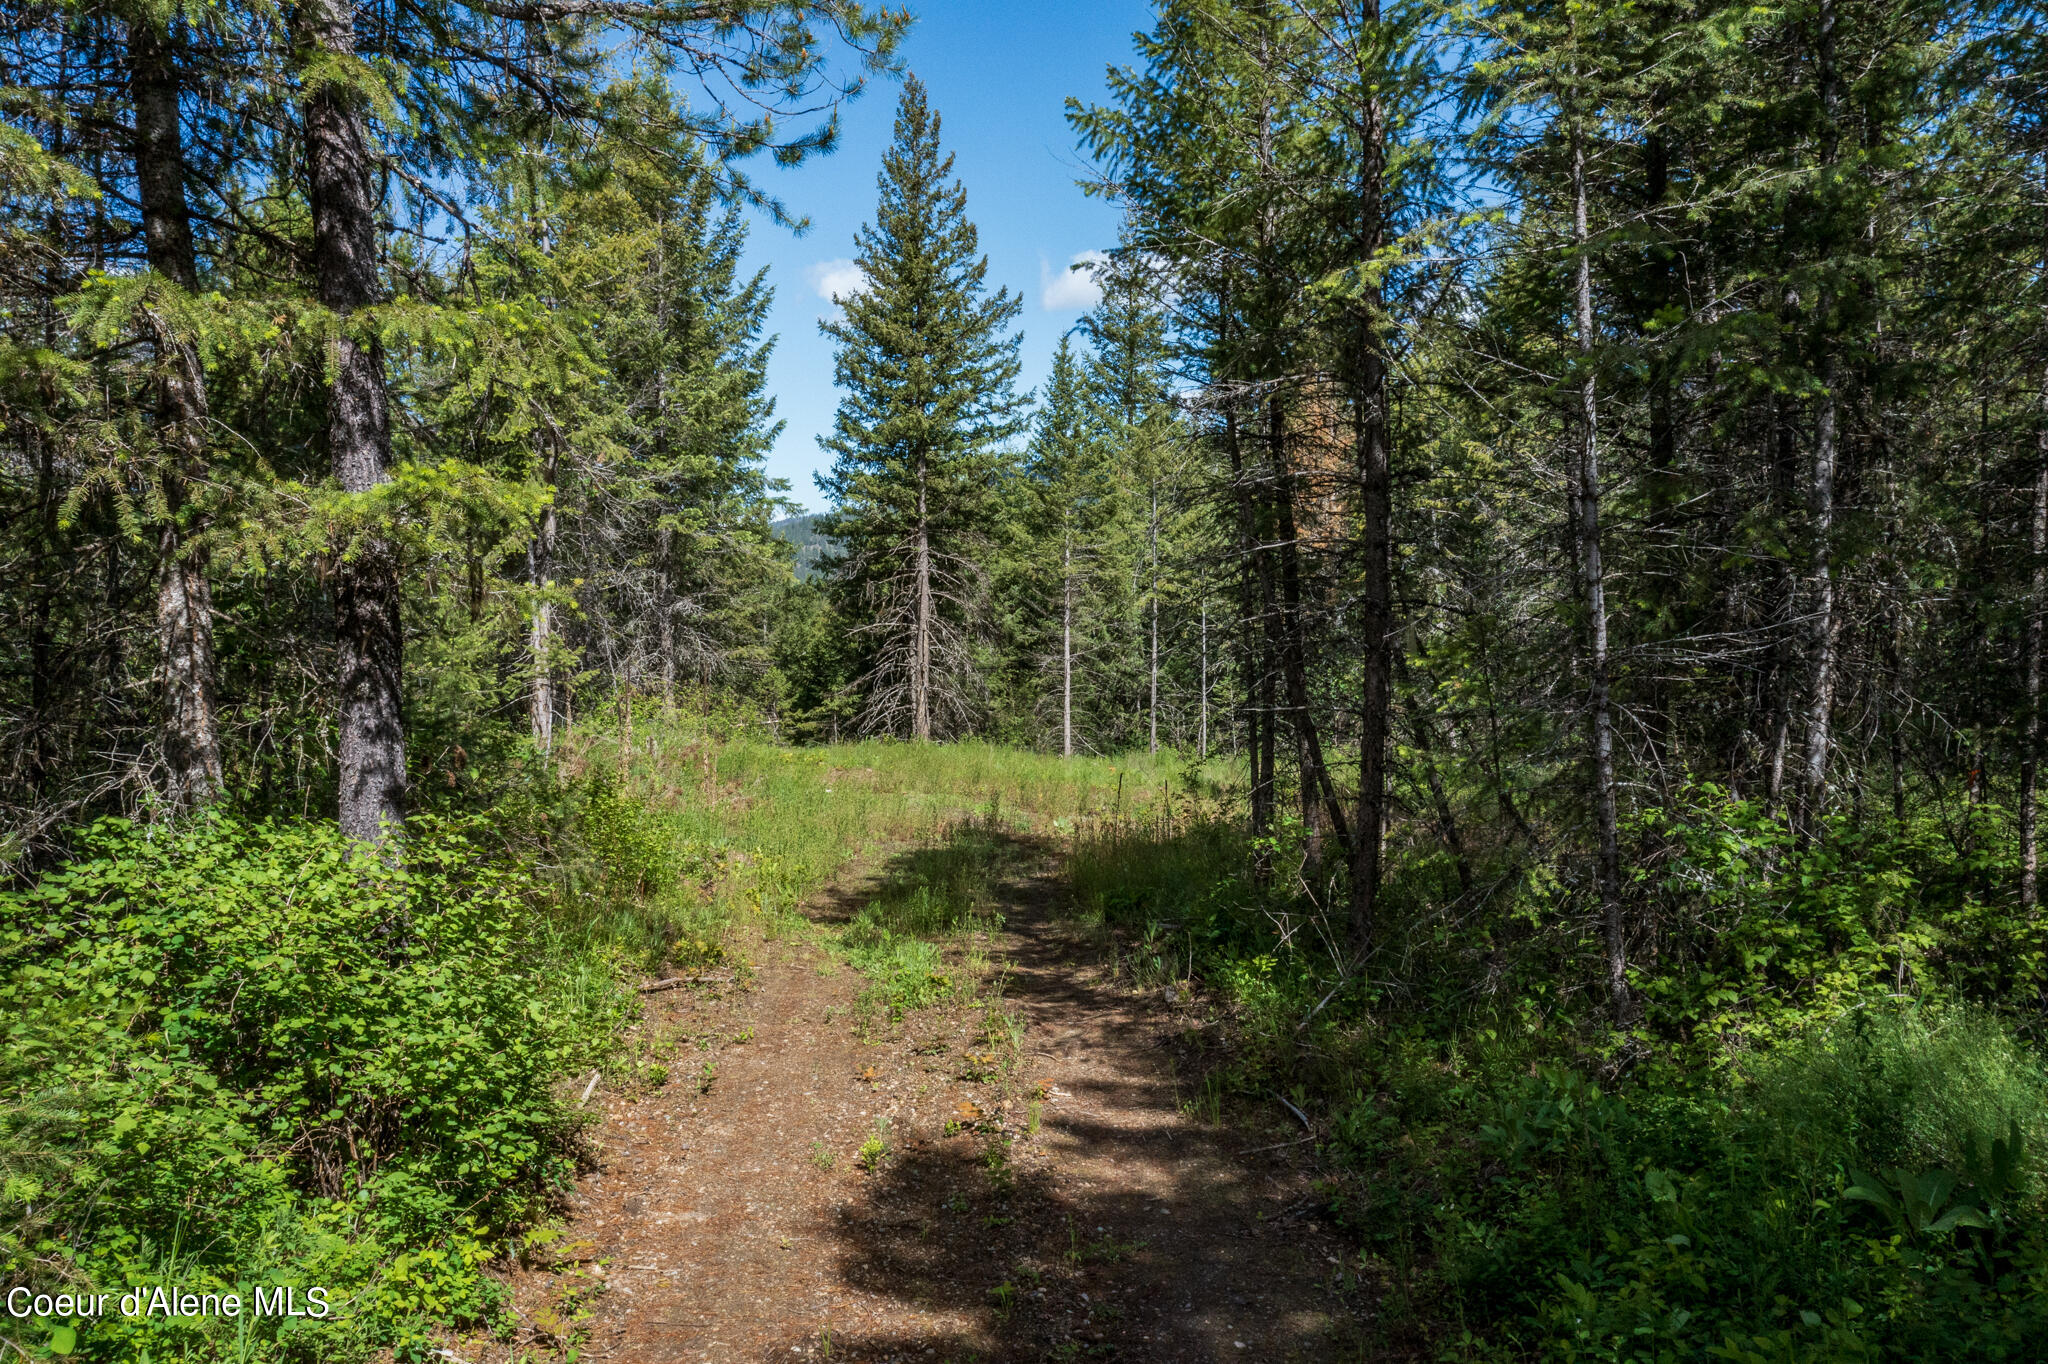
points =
(1083, 1216)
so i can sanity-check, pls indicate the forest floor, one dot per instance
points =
(1035, 1184)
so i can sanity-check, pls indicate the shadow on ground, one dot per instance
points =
(1116, 1227)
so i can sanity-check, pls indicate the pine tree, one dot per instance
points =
(928, 367)
(1068, 590)
(1128, 389)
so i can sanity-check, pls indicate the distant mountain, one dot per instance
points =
(802, 532)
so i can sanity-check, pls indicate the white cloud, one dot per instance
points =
(1071, 289)
(836, 279)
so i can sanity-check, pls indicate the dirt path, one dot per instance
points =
(732, 1220)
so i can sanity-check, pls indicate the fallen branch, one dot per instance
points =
(1297, 1113)
(1276, 1145)
(587, 1088)
(674, 981)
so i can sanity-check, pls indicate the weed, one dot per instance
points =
(995, 1159)
(707, 1077)
(1003, 1297)
(875, 1149)
(980, 1067)
(822, 1157)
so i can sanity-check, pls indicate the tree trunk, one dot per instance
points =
(1375, 485)
(184, 598)
(1820, 506)
(1421, 725)
(921, 645)
(1820, 696)
(1600, 720)
(1202, 739)
(540, 569)
(1318, 793)
(1257, 722)
(2030, 755)
(1067, 647)
(665, 627)
(1152, 535)
(371, 653)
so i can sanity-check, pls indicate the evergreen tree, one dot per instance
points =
(1068, 590)
(1128, 389)
(927, 366)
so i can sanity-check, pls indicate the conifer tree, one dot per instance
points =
(1128, 389)
(927, 366)
(1068, 594)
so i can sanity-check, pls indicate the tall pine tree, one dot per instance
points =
(928, 367)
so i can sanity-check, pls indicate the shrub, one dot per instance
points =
(255, 1048)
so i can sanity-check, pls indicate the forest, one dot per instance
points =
(1509, 642)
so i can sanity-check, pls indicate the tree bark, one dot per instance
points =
(1820, 504)
(1600, 720)
(1257, 721)
(1152, 536)
(1319, 800)
(540, 567)
(2030, 756)
(1067, 647)
(1820, 697)
(665, 627)
(371, 653)
(921, 644)
(1375, 486)
(184, 597)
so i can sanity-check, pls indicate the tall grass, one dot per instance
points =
(692, 826)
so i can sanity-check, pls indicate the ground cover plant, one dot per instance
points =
(1771, 1165)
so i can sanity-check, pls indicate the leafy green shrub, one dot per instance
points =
(277, 1054)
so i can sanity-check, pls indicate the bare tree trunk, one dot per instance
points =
(1257, 693)
(1152, 534)
(371, 653)
(1820, 508)
(184, 598)
(2030, 756)
(540, 570)
(1067, 647)
(921, 646)
(1203, 737)
(1820, 698)
(1422, 726)
(665, 628)
(1375, 485)
(1600, 721)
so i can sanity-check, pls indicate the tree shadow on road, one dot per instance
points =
(1084, 1215)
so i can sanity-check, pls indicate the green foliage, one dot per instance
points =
(255, 1053)
(926, 363)
(896, 938)
(1820, 1170)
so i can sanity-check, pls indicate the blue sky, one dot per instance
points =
(999, 74)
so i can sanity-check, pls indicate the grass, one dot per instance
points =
(691, 830)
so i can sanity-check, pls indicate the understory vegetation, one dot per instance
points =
(1827, 1138)
(246, 1054)
(1519, 609)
